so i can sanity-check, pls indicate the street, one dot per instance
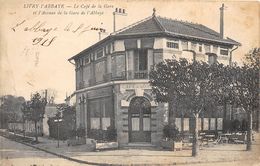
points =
(16, 154)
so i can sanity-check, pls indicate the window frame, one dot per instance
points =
(225, 50)
(172, 44)
(100, 50)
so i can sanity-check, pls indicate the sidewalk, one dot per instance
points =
(215, 155)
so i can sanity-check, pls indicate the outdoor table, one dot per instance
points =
(209, 138)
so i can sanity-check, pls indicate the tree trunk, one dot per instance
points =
(195, 145)
(249, 131)
(171, 113)
(36, 133)
(258, 120)
(225, 126)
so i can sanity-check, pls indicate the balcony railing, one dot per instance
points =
(126, 75)
(143, 74)
(123, 75)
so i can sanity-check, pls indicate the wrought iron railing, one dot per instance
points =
(122, 75)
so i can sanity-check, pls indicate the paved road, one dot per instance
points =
(16, 154)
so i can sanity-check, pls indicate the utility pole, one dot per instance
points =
(118, 11)
(58, 130)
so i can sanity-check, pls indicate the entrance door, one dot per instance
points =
(139, 120)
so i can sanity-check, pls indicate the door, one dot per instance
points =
(139, 120)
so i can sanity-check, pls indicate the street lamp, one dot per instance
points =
(58, 128)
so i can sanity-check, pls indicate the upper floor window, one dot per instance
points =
(207, 47)
(112, 47)
(173, 44)
(193, 45)
(100, 53)
(79, 63)
(141, 61)
(223, 51)
(87, 60)
(108, 49)
(200, 47)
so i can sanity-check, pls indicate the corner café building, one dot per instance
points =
(112, 88)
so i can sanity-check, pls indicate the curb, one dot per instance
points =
(56, 154)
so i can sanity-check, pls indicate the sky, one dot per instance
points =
(33, 59)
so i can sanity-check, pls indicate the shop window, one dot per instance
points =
(100, 113)
(178, 123)
(186, 124)
(105, 123)
(199, 124)
(206, 124)
(212, 124)
(219, 123)
(95, 123)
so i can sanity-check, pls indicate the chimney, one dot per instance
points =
(222, 21)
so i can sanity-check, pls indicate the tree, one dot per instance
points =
(191, 85)
(68, 123)
(252, 59)
(225, 93)
(246, 83)
(34, 110)
(10, 109)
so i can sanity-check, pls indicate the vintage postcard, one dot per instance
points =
(148, 82)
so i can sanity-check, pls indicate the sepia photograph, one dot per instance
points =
(130, 82)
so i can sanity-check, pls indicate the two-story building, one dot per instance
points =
(112, 88)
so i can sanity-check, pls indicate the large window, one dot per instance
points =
(100, 113)
(100, 71)
(140, 64)
(141, 59)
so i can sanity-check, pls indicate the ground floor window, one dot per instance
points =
(101, 113)
(186, 124)
(212, 124)
(204, 124)
(219, 123)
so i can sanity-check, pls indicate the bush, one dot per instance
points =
(103, 135)
(172, 132)
(236, 125)
(111, 134)
(81, 132)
